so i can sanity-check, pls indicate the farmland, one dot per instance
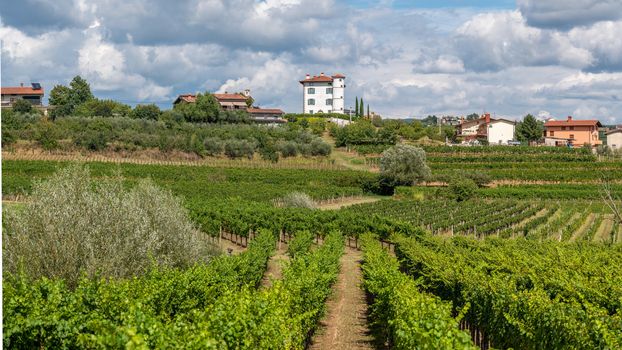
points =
(535, 243)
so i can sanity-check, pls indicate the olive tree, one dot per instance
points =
(73, 226)
(404, 165)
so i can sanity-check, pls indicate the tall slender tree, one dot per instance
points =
(361, 108)
(356, 107)
(368, 115)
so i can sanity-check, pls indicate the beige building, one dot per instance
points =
(614, 139)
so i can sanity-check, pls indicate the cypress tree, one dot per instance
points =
(361, 108)
(368, 116)
(356, 107)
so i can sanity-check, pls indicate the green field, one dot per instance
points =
(526, 265)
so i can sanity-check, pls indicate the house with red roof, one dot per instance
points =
(571, 132)
(323, 93)
(237, 102)
(497, 131)
(32, 94)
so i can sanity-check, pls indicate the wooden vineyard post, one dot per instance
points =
(220, 236)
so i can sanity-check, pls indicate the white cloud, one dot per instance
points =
(442, 64)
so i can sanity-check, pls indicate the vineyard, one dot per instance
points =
(528, 266)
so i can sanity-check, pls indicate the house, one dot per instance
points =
(571, 133)
(492, 130)
(227, 101)
(614, 138)
(269, 116)
(32, 94)
(323, 94)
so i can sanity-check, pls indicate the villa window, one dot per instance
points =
(329, 101)
(311, 91)
(552, 133)
(563, 128)
(329, 90)
(311, 102)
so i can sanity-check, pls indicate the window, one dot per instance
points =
(329, 101)
(552, 133)
(572, 136)
(311, 102)
(563, 128)
(311, 91)
(329, 90)
(310, 111)
(571, 128)
(328, 111)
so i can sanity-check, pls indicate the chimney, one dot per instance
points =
(21, 84)
(487, 116)
(569, 118)
(308, 76)
(322, 74)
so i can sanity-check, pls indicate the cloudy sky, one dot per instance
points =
(406, 58)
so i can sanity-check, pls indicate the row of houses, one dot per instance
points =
(567, 133)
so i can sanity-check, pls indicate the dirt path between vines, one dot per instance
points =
(604, 231)
(346, 202)
(226, 244)
(274, 271)
(345, 324)
(584, 227)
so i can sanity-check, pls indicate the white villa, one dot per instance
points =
(323, 94)
(495, 131)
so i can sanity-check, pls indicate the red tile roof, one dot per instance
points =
(339, 75)
(570, 122)
(20, 90)
(186, 98)
(230, 97)
(264, 111)
(317, 79)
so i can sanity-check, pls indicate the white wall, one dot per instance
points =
(500, 132)
(339, 91)
(320, 97)
(614, 140)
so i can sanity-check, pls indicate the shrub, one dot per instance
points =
(320, 148)
(269, 153)
(298, 200)
(239, 148)
(462, 189)
(46, 134)
(289, 149)
(213, 146)
(73, 226)
(481, 179)
(149, 112)
(22, 106)
(93, 140)
(404, 165)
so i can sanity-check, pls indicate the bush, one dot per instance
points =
(378, 185)
(269, 153)
(289, 149)
(239, 148)
(73, 225)
(481, 179)
(149, 112)
(298, 200)
(320, 148)
(22, 106)
(404, 165)
(46, 134)
(462, 189)
(213, 146)
(93, 140)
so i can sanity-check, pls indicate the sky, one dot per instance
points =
(549, 58)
